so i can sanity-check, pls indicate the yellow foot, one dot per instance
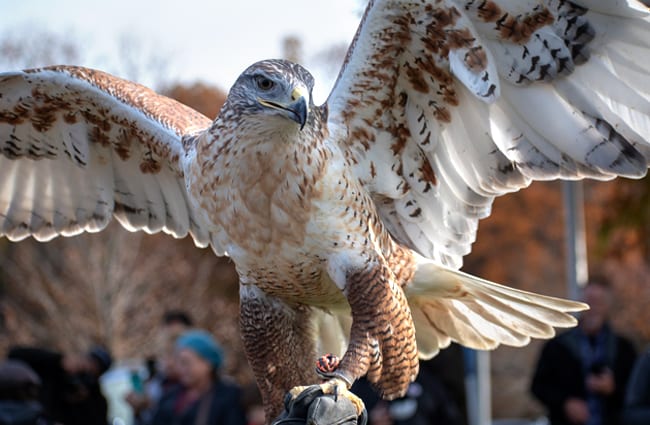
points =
(336, 387)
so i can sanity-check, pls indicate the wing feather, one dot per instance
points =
(479, 314)
(78, 146)
(442, 106)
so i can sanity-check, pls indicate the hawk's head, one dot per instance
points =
(274, 88)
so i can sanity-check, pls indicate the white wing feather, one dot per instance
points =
(560, 94)
(442, 106)
(78, 146)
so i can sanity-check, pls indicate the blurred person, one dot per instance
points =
(251, 401)
(435, 397)
(70, 391)
(582, 374)
(162, 371)
(19, 388)
(378, 409)
(177, 321)
(637, 398)
(428, 399)
(203, 397)
(145, 393)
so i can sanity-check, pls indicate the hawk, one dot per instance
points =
(348, 221)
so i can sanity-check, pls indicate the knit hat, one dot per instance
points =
(203, 344)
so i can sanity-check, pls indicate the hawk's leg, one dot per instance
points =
(279, 343)
(382, 339)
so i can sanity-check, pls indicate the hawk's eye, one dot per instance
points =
(264, 83)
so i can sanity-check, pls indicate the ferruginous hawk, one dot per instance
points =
(347, 222)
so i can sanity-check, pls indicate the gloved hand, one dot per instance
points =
(312, 407)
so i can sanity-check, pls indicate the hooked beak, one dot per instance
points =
(297, 110)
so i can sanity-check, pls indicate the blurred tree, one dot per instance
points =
(26, 48)
(138, 62)
(113, 288)
(30, 49)
(200, 96)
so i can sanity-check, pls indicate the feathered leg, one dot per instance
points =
(382, 338)
(279, 342)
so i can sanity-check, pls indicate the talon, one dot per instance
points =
(295, 391)
(337, 387)
(340, 387)
(334, 383)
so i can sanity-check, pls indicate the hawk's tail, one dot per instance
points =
(449, 305)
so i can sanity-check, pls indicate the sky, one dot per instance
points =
(212, 41)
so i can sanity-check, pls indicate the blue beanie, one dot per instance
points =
(202, 344)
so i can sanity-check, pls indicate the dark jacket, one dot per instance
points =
(436, 397)
(14, 412)
(66, 399)
(561, 374)
(220, 406)
(637, 400)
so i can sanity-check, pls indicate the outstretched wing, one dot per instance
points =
(445, 105)
(78, 146)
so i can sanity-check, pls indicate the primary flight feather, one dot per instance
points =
(347, 222)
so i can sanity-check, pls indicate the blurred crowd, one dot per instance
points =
(188, 388)
(40, 386)
(184, 384)
(588, 375)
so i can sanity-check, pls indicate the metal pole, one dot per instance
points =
(477, 386)
(577, 271)
(484, 390)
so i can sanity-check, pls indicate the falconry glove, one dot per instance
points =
(313, 407)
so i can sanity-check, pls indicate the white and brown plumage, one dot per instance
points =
(347, 221)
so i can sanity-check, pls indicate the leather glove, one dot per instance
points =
(312, 407)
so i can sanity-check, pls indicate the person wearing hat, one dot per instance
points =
(161, 365)
(70, 392)
(203, 396)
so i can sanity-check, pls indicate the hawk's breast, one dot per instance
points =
(276, 207)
